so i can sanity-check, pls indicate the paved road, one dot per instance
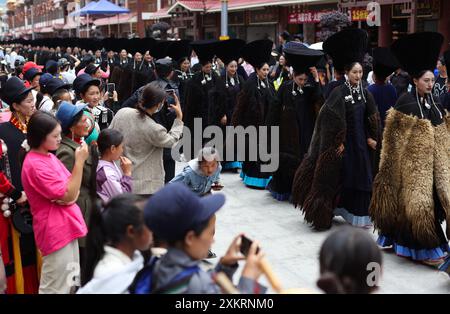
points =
(292, 247)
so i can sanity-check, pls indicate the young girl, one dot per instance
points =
(116, 235)
(52, 191)
(110, 180)
(350, 262)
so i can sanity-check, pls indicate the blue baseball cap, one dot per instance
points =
(67, 112)
(174, 210)
(51, 66)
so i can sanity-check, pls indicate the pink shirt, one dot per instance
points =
(45, 178)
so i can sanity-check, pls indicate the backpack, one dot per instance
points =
(143, 283)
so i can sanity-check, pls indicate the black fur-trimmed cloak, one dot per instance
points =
(318, 178)
(284, 113)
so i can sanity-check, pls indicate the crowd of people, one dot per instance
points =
(91, 201)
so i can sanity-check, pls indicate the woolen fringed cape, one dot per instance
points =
(415, 160)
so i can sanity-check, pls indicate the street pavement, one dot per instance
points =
(292, 247)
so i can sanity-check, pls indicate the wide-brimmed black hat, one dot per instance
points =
(82, 83)
(418, 52)
(205, 49)
(230, 50)
(257, 52)
(384, 62)
(301, 58)
(179, 49)
(13, 89)
(346, 47)
(160, 49)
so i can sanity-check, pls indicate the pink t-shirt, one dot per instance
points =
(45, 178)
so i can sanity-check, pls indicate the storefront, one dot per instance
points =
(402, 17)
(304, 19)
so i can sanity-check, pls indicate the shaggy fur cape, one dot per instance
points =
(415, 156)
(318, 178)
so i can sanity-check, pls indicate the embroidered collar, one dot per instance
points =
(18, 124)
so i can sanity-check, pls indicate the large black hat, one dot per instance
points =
(447, 60)
(179, 49)
(160, 49)
(205, 50)
(257, 52)
(230, 50)
(418, 52)
(301, 58)
(346, 47)
(384, 62)
(13, 89)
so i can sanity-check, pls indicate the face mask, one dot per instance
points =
(159, 108)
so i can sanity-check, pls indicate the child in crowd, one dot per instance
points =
(350, 263)
(116, 234)
(110, 180)
(187, 222)
(202, 173)
(58, 97)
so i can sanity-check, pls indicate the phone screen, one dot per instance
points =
(246, 243)
(111, 88)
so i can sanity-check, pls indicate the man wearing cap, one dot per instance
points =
(67, 75)
(186, 222)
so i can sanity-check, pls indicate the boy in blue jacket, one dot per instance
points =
(202, 173)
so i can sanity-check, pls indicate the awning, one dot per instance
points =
(160, 14)
(114, 20)
(216, 5)
(46, 30)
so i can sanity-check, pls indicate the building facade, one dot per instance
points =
(247, 19)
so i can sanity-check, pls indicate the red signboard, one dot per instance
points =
(306, 17)
(358, 14)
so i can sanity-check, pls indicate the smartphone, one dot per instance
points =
(246, 243)
(217, 187)
(110, 88)
(170, 91)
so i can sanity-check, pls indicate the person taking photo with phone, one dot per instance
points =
(145, 138)
(187, 222)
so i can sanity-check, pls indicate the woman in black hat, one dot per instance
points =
(180, 51)
(87, 89)
(344, 47)
(13, 133)
(411, 191)
(335, 177)
(295, 112)
(253, 104)
(229, 52)
(201, 90)
(384, 93)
